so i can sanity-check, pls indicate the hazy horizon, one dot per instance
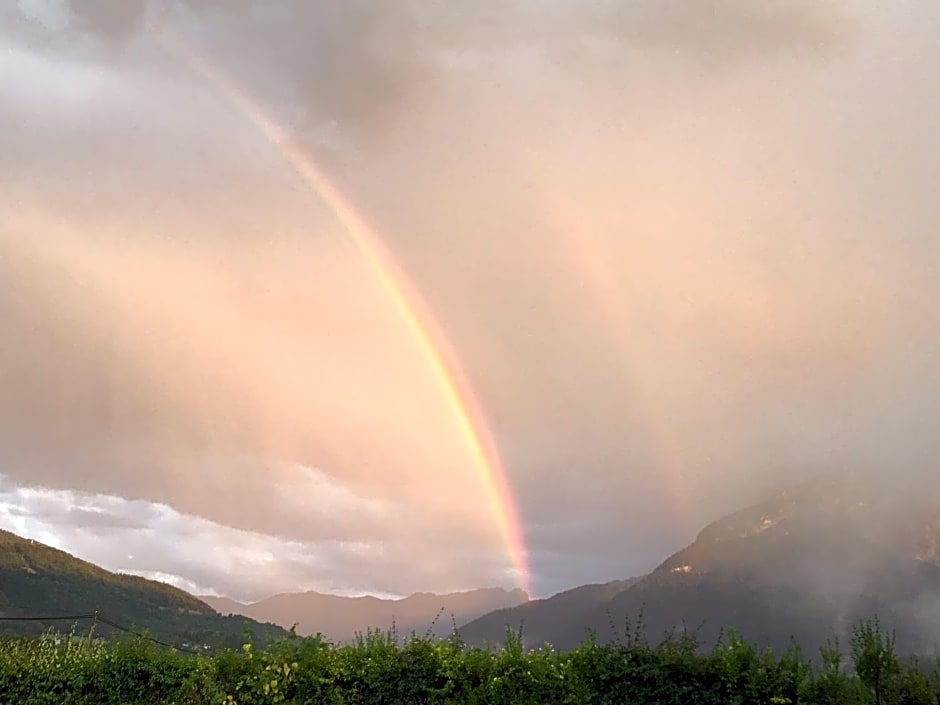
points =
(682, 254)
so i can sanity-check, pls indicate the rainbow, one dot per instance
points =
(594, 268)
(430, 340)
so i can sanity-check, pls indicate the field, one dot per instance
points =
(381, 668)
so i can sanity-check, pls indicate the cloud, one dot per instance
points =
(719, 30)
(156, 541)
(368, 65)
(115, 21)
(49, 14)
(681, 251)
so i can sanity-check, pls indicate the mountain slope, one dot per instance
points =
(339, 618)
(803, 565)
(546, 619)
(37, 580)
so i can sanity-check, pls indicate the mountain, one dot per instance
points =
(340, 618)
(543, 620)
(803, 565)
(224, 605)
(39, 581)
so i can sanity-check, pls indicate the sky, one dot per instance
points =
(670, 255)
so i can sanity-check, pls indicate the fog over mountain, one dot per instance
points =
(804, 566)
(684, 253)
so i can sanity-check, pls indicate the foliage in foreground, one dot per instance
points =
(379, 668)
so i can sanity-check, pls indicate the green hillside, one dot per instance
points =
(39, 581)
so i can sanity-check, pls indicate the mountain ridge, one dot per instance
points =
(339, 618)
(802, 564)
(37, 580)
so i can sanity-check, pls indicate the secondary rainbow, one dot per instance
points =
(600, 283)
(414, 313)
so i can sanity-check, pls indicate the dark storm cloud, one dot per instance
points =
(368, 65)
(364, 63)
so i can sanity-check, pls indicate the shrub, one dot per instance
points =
(380, 668)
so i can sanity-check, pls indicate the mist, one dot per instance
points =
(684, 254)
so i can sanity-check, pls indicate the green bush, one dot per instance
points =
(381, 668)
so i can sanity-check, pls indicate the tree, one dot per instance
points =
(876, 662)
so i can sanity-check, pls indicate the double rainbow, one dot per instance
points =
(428, 337)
